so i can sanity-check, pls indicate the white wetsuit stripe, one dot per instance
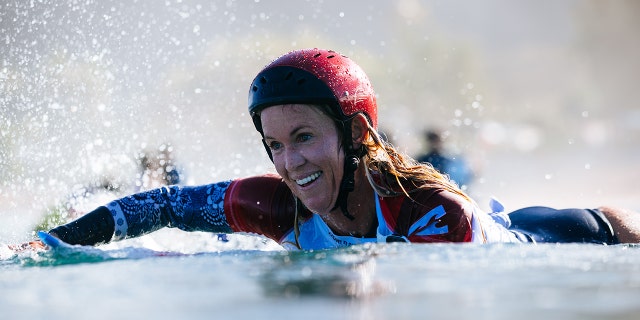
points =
(121, 226)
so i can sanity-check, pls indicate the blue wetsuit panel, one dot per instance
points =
(543, 224)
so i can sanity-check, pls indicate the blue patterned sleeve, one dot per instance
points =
(198, 208)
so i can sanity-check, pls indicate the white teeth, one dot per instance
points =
(308, 179)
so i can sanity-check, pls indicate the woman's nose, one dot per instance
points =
(293, 158)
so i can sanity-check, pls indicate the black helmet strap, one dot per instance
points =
(351, 162)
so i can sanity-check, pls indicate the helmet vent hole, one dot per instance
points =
(263, 80)
(317, 55)
(288, 76)
(301, 81)
(255, 88)
(331, 56)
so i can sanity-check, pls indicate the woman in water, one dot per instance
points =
(338, 182)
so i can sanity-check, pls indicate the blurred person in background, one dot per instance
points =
(455, 166)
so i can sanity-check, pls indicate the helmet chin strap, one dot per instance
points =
(347, 184)
(351, 162)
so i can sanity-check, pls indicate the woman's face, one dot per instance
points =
(306, 152)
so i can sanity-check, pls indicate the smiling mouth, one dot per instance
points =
(305, 181)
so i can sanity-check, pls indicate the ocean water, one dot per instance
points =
(110, 80)
(174, 274)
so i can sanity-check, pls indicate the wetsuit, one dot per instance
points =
(543, 224)
(264, 205)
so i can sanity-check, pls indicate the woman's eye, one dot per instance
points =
(304, 137)
(274, 145)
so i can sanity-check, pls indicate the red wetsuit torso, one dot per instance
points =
(265, 205)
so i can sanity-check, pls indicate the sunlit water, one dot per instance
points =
(87, 85)
(226, 280)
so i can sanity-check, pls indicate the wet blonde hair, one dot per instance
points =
(391, 172)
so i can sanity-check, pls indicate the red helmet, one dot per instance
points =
(314, 76)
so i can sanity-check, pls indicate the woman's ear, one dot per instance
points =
(359, 130)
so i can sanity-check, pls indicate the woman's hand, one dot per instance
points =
(36, 245)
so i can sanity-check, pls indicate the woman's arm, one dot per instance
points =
(198, 208)
(261, 204)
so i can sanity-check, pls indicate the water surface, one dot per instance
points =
(395, 281)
